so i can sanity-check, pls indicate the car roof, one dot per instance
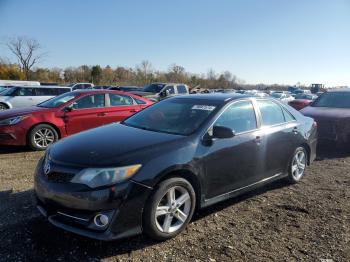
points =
(219, 97)
(93, 91)
(42, 86)
(337, 90)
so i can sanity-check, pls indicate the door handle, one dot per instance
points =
(295, 130)
(101, 114)
(133, 111)
(258, 140)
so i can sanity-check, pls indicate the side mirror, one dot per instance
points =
(68, 109)
(222, 132)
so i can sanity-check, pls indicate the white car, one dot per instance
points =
(24, 96)
(76, 86)
(283, 97)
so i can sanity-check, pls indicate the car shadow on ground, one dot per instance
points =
(14, 149)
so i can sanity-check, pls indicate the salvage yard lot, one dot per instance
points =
(307, 221)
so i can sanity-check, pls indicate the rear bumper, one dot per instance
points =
(12, 135)
(73, 207)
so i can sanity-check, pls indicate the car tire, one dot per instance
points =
(3, 106)
(41, 136)
(169, 209)
(297, 165)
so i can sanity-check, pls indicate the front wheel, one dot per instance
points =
(3, 106)
(297, 165)
(41, 136)
(169, 209)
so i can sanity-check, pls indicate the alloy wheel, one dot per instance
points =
(298, 164)
(44, 137)
(173, 209)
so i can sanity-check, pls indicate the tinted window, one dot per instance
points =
(153, 88)
(170, 89)
(240, 117)
(87, 86)
(271, 113)
(288, 116)
(335, 99)
(181, 89)
(45, 91)
(90, 101)
(60, 91)
(25, 91)
(120, 100)
(140, 102)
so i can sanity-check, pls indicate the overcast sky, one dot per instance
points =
(260, 41)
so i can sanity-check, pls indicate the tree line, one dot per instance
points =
(29, 53)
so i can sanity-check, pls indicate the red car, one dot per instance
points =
(302, 100)
(67, 114)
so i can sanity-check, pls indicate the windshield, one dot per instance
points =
(277, 95)
(175, 116)
(8, 91)
(153, 88)
(336, 100)
(70, 85)
(58, 100)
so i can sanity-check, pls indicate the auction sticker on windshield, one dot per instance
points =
(203, 107)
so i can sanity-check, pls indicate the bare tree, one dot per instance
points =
(146, 69)
(27, 51)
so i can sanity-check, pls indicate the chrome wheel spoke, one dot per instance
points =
(180, 215)
(182, 199)
(167, 223)
(171, 196)
(162, 210)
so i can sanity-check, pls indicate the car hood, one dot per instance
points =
(326, 112)
(111, 145)
(21, 111)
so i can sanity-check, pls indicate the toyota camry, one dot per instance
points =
(150, 172)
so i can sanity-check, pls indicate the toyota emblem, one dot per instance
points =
(47, 168)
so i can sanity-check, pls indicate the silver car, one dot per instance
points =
(23, 96)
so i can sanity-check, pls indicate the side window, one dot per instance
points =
(181, 89)
(25, 92)
(288, 116)
(170, 89)
(87, 86)
(120, 100)
(139, 101)
(271, 113)
(240, 117)
(90, 101)
(44, 92)
(60, 91)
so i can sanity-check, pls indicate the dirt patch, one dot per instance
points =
(307, 221)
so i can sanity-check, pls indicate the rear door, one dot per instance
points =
(120, 107)
(87, 112)
(279, 136)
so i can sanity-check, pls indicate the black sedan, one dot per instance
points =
(150, 172)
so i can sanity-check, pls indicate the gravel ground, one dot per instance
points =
(308, 221)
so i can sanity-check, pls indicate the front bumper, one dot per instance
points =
(12, 135)
(73, 207)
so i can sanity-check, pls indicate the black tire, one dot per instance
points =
(34, 133)
(3, 106)
(294, 176)
(151, 223)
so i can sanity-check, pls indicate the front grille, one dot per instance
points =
(58, 177)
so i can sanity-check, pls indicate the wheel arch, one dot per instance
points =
(44, 123)
(6, 104)
(308, 151)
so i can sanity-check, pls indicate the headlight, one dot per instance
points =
(12, 121)
(96, 177)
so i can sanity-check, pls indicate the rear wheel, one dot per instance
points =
(298, 165)
(41, 136)
(169, 209)
(3, 106)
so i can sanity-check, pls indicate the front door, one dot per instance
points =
(235, 162)
(86, 113)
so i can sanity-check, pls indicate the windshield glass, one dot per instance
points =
(153, 88)
(175, 116)
(8, 91)
(58, 100)
(336, 100)
(277, 95)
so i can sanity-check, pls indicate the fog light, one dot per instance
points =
(101, 220)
